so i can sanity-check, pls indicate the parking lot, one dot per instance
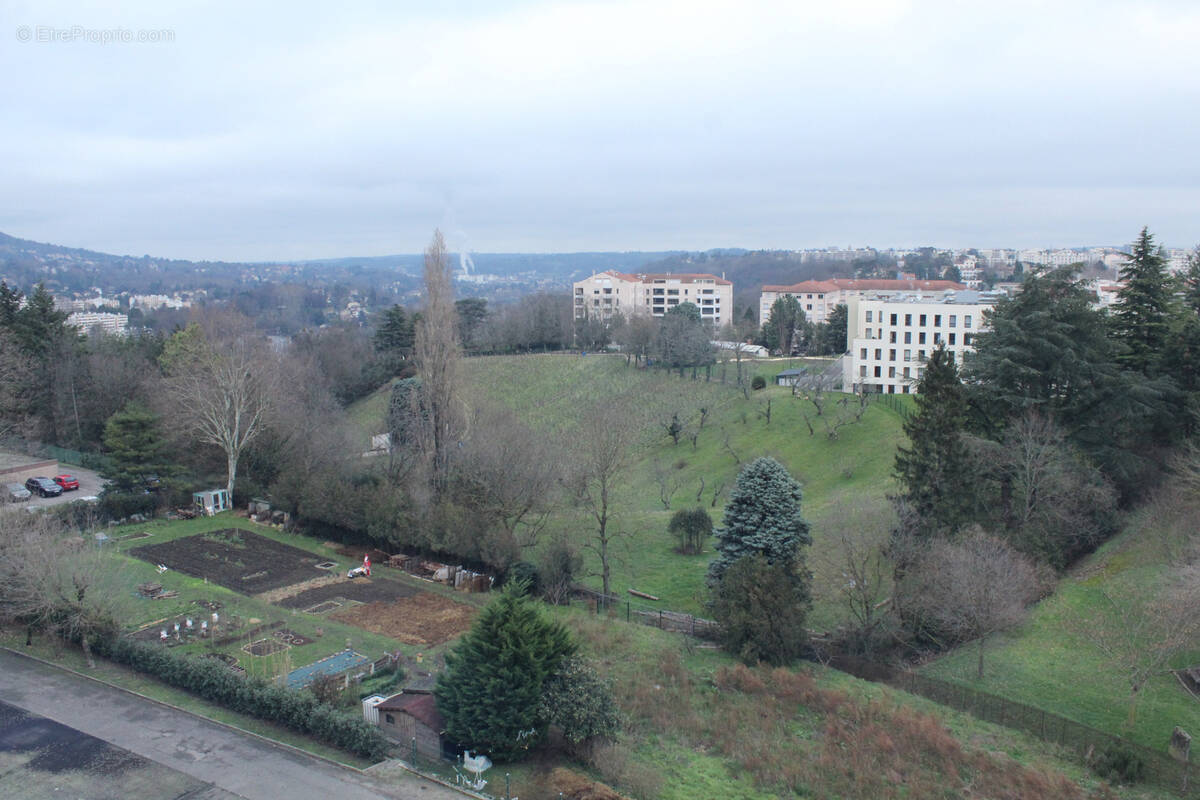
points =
(90, 485)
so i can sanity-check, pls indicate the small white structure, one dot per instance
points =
(211, 501)
(477, 765)
(370, 707)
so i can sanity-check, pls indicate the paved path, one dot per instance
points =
(240, 764)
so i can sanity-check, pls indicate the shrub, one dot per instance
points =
(525, 573)
(758, 382)
(119, 505)
(761, 607)
(560, 564)
(691, 528)
(1119, 764)
(580, 702)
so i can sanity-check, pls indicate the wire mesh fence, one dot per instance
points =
(661, 618)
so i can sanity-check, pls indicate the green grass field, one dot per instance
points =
(1053, 662)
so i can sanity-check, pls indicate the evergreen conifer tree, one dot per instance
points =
(490, 690)
(134, 447)
(933, 468)
(762, 517)
(1143, 312)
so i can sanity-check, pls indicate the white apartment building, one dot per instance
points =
(88, 321)
(818, 298)
(892, 337)
(607, 293)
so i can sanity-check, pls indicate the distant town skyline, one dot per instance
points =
(239, 133)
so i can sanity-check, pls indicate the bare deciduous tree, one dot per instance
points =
(512, 473)
(972, 588)
(221, 390)
(603, 451)
(859, 567)
(668, 482)
(51, 581)
(437, 354)
(1140, 633)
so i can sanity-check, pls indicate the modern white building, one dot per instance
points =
(818, 298)
(892, 337)
(88, 321)
(607, 293)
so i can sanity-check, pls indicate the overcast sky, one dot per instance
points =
(336, 129)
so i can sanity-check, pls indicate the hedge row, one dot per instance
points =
(213, 681)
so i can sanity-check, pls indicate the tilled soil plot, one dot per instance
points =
(424, 618)
(236, 559)
(362, 590)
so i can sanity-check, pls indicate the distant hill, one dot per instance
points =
(66, 269)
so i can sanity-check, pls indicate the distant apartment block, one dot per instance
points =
(153, 302)
(88, 321)
(819, 298)
(891, 338)
(607, 293)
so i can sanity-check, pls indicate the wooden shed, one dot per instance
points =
(413, 713)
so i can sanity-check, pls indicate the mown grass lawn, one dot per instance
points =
(1053, 662)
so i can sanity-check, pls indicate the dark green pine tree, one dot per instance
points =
(1191, 283)
(762, 517)
(933, 468)
(10, 305)
(836, 330)
(1143, 313)
(135, 447)
(395, 332)
(490, 690)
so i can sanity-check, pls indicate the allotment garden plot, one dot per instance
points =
(236, 559)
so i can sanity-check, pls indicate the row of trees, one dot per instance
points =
(787, 330)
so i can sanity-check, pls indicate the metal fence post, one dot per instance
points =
(414, 751)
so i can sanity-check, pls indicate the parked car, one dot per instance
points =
(15, 493)
(43, 486)
(67, 482)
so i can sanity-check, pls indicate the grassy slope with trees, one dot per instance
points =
(844, 478)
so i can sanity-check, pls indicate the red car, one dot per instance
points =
(67, 482)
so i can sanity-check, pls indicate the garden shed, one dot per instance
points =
(410, 714)
(211, 501)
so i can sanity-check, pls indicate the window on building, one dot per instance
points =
(908, 337)
(967, 339)
(809, 306)
(952, 338)
(937, 320)
(922, 322)
(879, 354)
(906, 389)
(674, 292)
(870, 315)
(906, 372)
(389, 719)
(908, 355)
(579, 290)
(891, 355)
(863, 354)
(966, 320)
(891, 372)
(891, 337)
(921, 356)
(608, 291)
(908, 319)
(937, 338)
(862, 371)
(878, 372)
(953, 320)
(893, 319)
(921, 337)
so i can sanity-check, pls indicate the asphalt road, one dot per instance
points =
(90, 484)
(234, 762)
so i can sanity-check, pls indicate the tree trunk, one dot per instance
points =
(979, 666)
(232, 461)
(87, 651)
